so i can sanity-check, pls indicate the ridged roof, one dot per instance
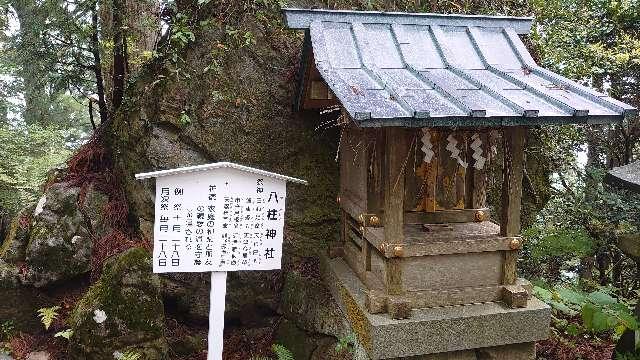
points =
(400, 69)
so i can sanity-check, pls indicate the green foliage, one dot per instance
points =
(282, 353)
(240, 38)
(184, 119)
(599, 310)
(583, 38)
(181, 32)
(48, 315)
(627, 356)
(557, 242)
(27, 153)
(346, 343)
(7, 329)
(127, 355)
(64, 334)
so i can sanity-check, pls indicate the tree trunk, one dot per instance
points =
(135, 26)
(36, 97)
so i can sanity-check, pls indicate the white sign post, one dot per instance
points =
(217, 218)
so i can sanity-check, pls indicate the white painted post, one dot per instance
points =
(216, 314)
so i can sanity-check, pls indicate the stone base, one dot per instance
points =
(524, 351)
(447, 332)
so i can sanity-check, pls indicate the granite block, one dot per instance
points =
(433, 330)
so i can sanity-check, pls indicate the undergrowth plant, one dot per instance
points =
(48, 315)
(7, 331)
(345, 343)
(129, 355)
(280, 351)
(599, 310)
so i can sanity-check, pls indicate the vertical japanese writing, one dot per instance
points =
(233, 221)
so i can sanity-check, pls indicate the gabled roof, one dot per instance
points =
(626, 177)
(400, 69)
(219, 165)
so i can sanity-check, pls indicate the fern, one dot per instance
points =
(65, 334)
(282, 353)
(48, 315)
(129, 355)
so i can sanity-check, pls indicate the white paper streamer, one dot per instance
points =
(427, 146)
(452, 146)
(476, 146)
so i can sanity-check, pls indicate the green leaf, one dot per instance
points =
(543, 294)
(601, 298)
(587, 315)
(48, 315)
(571, 296)
(562, 308)
(65, 334)
(282, 353)
(573, 330)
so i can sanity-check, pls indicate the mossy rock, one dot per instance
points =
(128, 294)
(61, 234)
(9, 276)
(14, 247)
(309, 304)
(241, 114)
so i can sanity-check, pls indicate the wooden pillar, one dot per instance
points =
(513, 140)
(396, 150)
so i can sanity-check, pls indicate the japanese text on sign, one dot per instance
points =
(219, 220)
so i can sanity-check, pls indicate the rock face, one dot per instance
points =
(233, 104)
(315, 324)
(122, 312)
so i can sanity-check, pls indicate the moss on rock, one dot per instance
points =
(14, 246)
(9, 276)
(309, 304)
(61, 234)
(128, 294)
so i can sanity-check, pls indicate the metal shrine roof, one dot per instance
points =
(626, 177)
(400, 69)
(218, 165)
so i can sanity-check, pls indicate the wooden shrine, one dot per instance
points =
(416, 227)
(428, 103)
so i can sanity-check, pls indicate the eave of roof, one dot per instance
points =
(397, 69)
(626, 177)
(302, 18)
(219, 165)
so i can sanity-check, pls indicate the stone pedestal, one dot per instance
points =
(476, 331)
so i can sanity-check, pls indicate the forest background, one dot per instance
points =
(65, 69)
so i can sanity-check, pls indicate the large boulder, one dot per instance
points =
(235, 106)
(122, 312)
(252, 297)
(61, 234)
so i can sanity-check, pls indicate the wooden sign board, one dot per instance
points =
(217, 218)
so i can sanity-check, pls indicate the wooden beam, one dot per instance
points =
(460, 170)
(514, 142)
(447, 174)
(396, 151)
(514, 139)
